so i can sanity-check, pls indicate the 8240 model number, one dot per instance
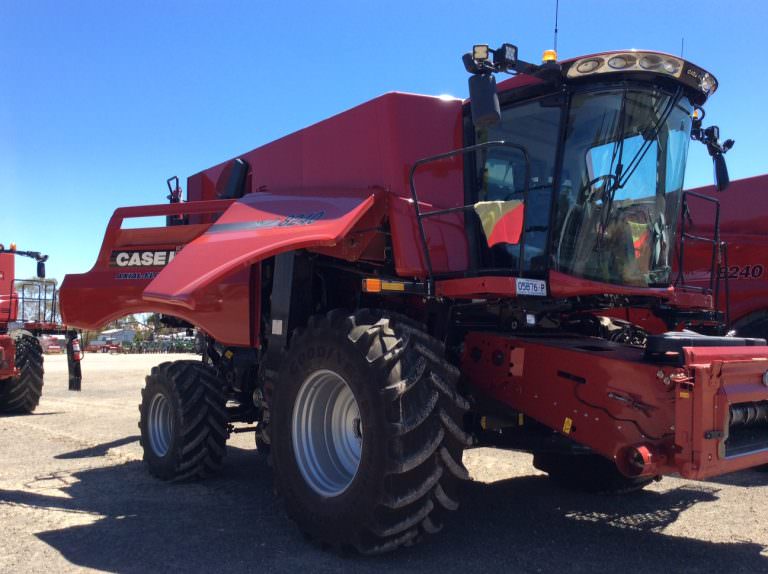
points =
(742, 271)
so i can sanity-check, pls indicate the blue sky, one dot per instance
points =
(101, 101)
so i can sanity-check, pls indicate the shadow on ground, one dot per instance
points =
(32, 414)
(98, 450)
(233, 523)
(754, 477)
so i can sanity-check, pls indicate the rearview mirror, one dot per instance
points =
(721, 172)
(484, 100)
(41, 269)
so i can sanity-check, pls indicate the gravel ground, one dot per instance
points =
(74, 496)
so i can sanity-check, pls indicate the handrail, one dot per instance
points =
(188, 208)
(719, 253)
(38, 306)
(415, 197)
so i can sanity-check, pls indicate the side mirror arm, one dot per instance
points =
(710, 137)
(36, 255)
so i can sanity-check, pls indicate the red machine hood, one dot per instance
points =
(257, 226)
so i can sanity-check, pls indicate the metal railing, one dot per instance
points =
(438, 212)
(719, 254)
(32, 301)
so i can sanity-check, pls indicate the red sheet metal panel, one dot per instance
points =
(743, 215)
(8, 300)
(594, 392)
(608, 397)
(721, 378)
(257, 226)
(373, 144)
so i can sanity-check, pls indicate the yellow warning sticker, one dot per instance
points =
(685, 395)
(392, 286)
(520, 419)
(567, 424)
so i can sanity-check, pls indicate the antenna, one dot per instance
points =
(557, 10)
(682, 46)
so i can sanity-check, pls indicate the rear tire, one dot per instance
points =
(587, 473)
(21, 394)
(755, 325)
(396, 441)
(183, 421)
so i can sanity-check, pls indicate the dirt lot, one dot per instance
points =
(74, 495)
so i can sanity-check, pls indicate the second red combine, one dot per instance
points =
(28, 309)
(419, 275)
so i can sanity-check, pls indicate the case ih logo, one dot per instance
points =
(142, 258)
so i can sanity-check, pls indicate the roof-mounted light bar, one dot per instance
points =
(634, 61)
(483, 59)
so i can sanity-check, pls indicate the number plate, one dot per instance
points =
(534, 287)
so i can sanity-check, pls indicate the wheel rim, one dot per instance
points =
(160, 424)
(327, 433)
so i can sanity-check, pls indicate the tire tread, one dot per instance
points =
(201, 443)
(21, 394)
(424, 433)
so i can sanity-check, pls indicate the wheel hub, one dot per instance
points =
(160, 425)
(327, 433)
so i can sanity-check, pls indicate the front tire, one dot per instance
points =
(366, 432)
(183, 421)
(21, 394)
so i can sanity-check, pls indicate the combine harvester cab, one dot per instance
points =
(418, 275)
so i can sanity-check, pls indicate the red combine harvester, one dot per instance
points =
(742, 285)
(743, 216)
(417, 275)
(28, 309)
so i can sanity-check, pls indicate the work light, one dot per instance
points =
(480, 52)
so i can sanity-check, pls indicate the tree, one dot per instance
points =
(87, 336)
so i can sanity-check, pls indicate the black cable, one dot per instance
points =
(607, 412)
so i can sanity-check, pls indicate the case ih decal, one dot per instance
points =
(140, 258)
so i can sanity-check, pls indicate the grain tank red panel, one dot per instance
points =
(743, 216)
(373, 144)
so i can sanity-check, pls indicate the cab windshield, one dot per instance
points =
(622, 174)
